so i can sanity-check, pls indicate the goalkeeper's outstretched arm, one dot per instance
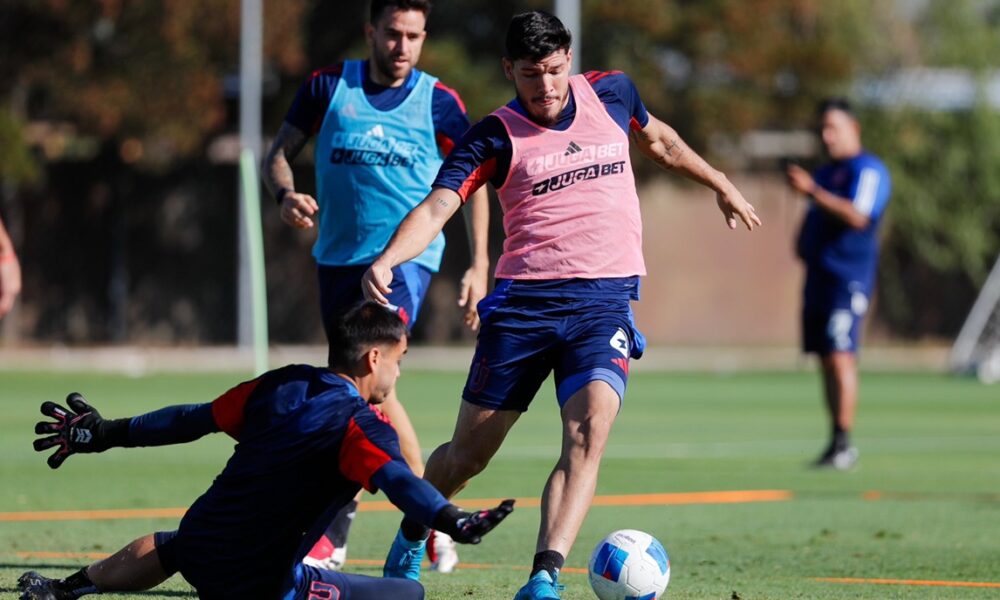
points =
(420, 501)
(79, 428)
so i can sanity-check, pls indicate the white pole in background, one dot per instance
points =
(568, 12)
(251, 69)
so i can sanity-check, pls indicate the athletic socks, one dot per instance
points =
(79, 584)
(548, 560)
(341, 525)
(840, 441)
(413, 531)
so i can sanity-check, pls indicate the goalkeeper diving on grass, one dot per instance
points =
(308, 439)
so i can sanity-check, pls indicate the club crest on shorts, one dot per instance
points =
(619, 341)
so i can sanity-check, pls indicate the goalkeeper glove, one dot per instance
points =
(469, 528)
(78, 429)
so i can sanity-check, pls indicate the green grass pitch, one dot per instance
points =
(930, 446)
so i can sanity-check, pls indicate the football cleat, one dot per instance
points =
(842, 460)
(541, 586)
(404, 558)
(445, 552)
(332, 561)
(36, 587)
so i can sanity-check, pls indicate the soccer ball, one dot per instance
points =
(629, 565)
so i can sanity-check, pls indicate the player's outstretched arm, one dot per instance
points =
(412, 237)
(78, 428)
(664, 146)
(420, 501)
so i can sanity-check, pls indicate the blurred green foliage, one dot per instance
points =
(155, 79)
(148, 71)
(944, 220)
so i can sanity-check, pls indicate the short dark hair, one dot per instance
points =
(834, 103)
(359, 329)
(379, 6)
(535, 35)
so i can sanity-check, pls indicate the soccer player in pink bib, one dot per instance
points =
(558, 157)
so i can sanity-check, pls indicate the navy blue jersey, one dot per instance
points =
(827, 245)
(483, 154)
(313, 98)
(307, 444)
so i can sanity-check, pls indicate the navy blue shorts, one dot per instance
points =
(166, 551)
(340, 290)
(310, 583)
(522, 340)
(832, 316)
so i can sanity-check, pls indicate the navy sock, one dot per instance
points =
(548, 560)
(840, 438)
(413, 530)
(341, 525)
(79, 584)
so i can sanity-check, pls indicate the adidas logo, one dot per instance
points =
(376, 131)
(573, 148)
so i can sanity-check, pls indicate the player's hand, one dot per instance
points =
(800, 179)
(469, 528)
(473, 289)
(375, 283)
(296, 209)
(78, 429)
(734, 206)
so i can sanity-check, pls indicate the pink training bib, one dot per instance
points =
(570, 205)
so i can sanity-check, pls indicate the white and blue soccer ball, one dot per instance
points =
(629, 565)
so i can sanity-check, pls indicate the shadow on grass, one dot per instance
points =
(42, 567)
(169, 594)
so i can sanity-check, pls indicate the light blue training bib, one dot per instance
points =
(372, 168)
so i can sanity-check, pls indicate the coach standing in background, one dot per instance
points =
(10, 272)
(383, 128)
(838, 243)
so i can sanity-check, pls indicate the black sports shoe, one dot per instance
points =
(36, 587)
(842, 459)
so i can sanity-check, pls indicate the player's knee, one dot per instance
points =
(586, 441)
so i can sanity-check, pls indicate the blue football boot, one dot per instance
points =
(541, 586)
(404, 558)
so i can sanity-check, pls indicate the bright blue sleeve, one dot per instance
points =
(870, 187)
(172, 425)
(417, 499)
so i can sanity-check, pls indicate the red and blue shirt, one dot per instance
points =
(307, 443)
